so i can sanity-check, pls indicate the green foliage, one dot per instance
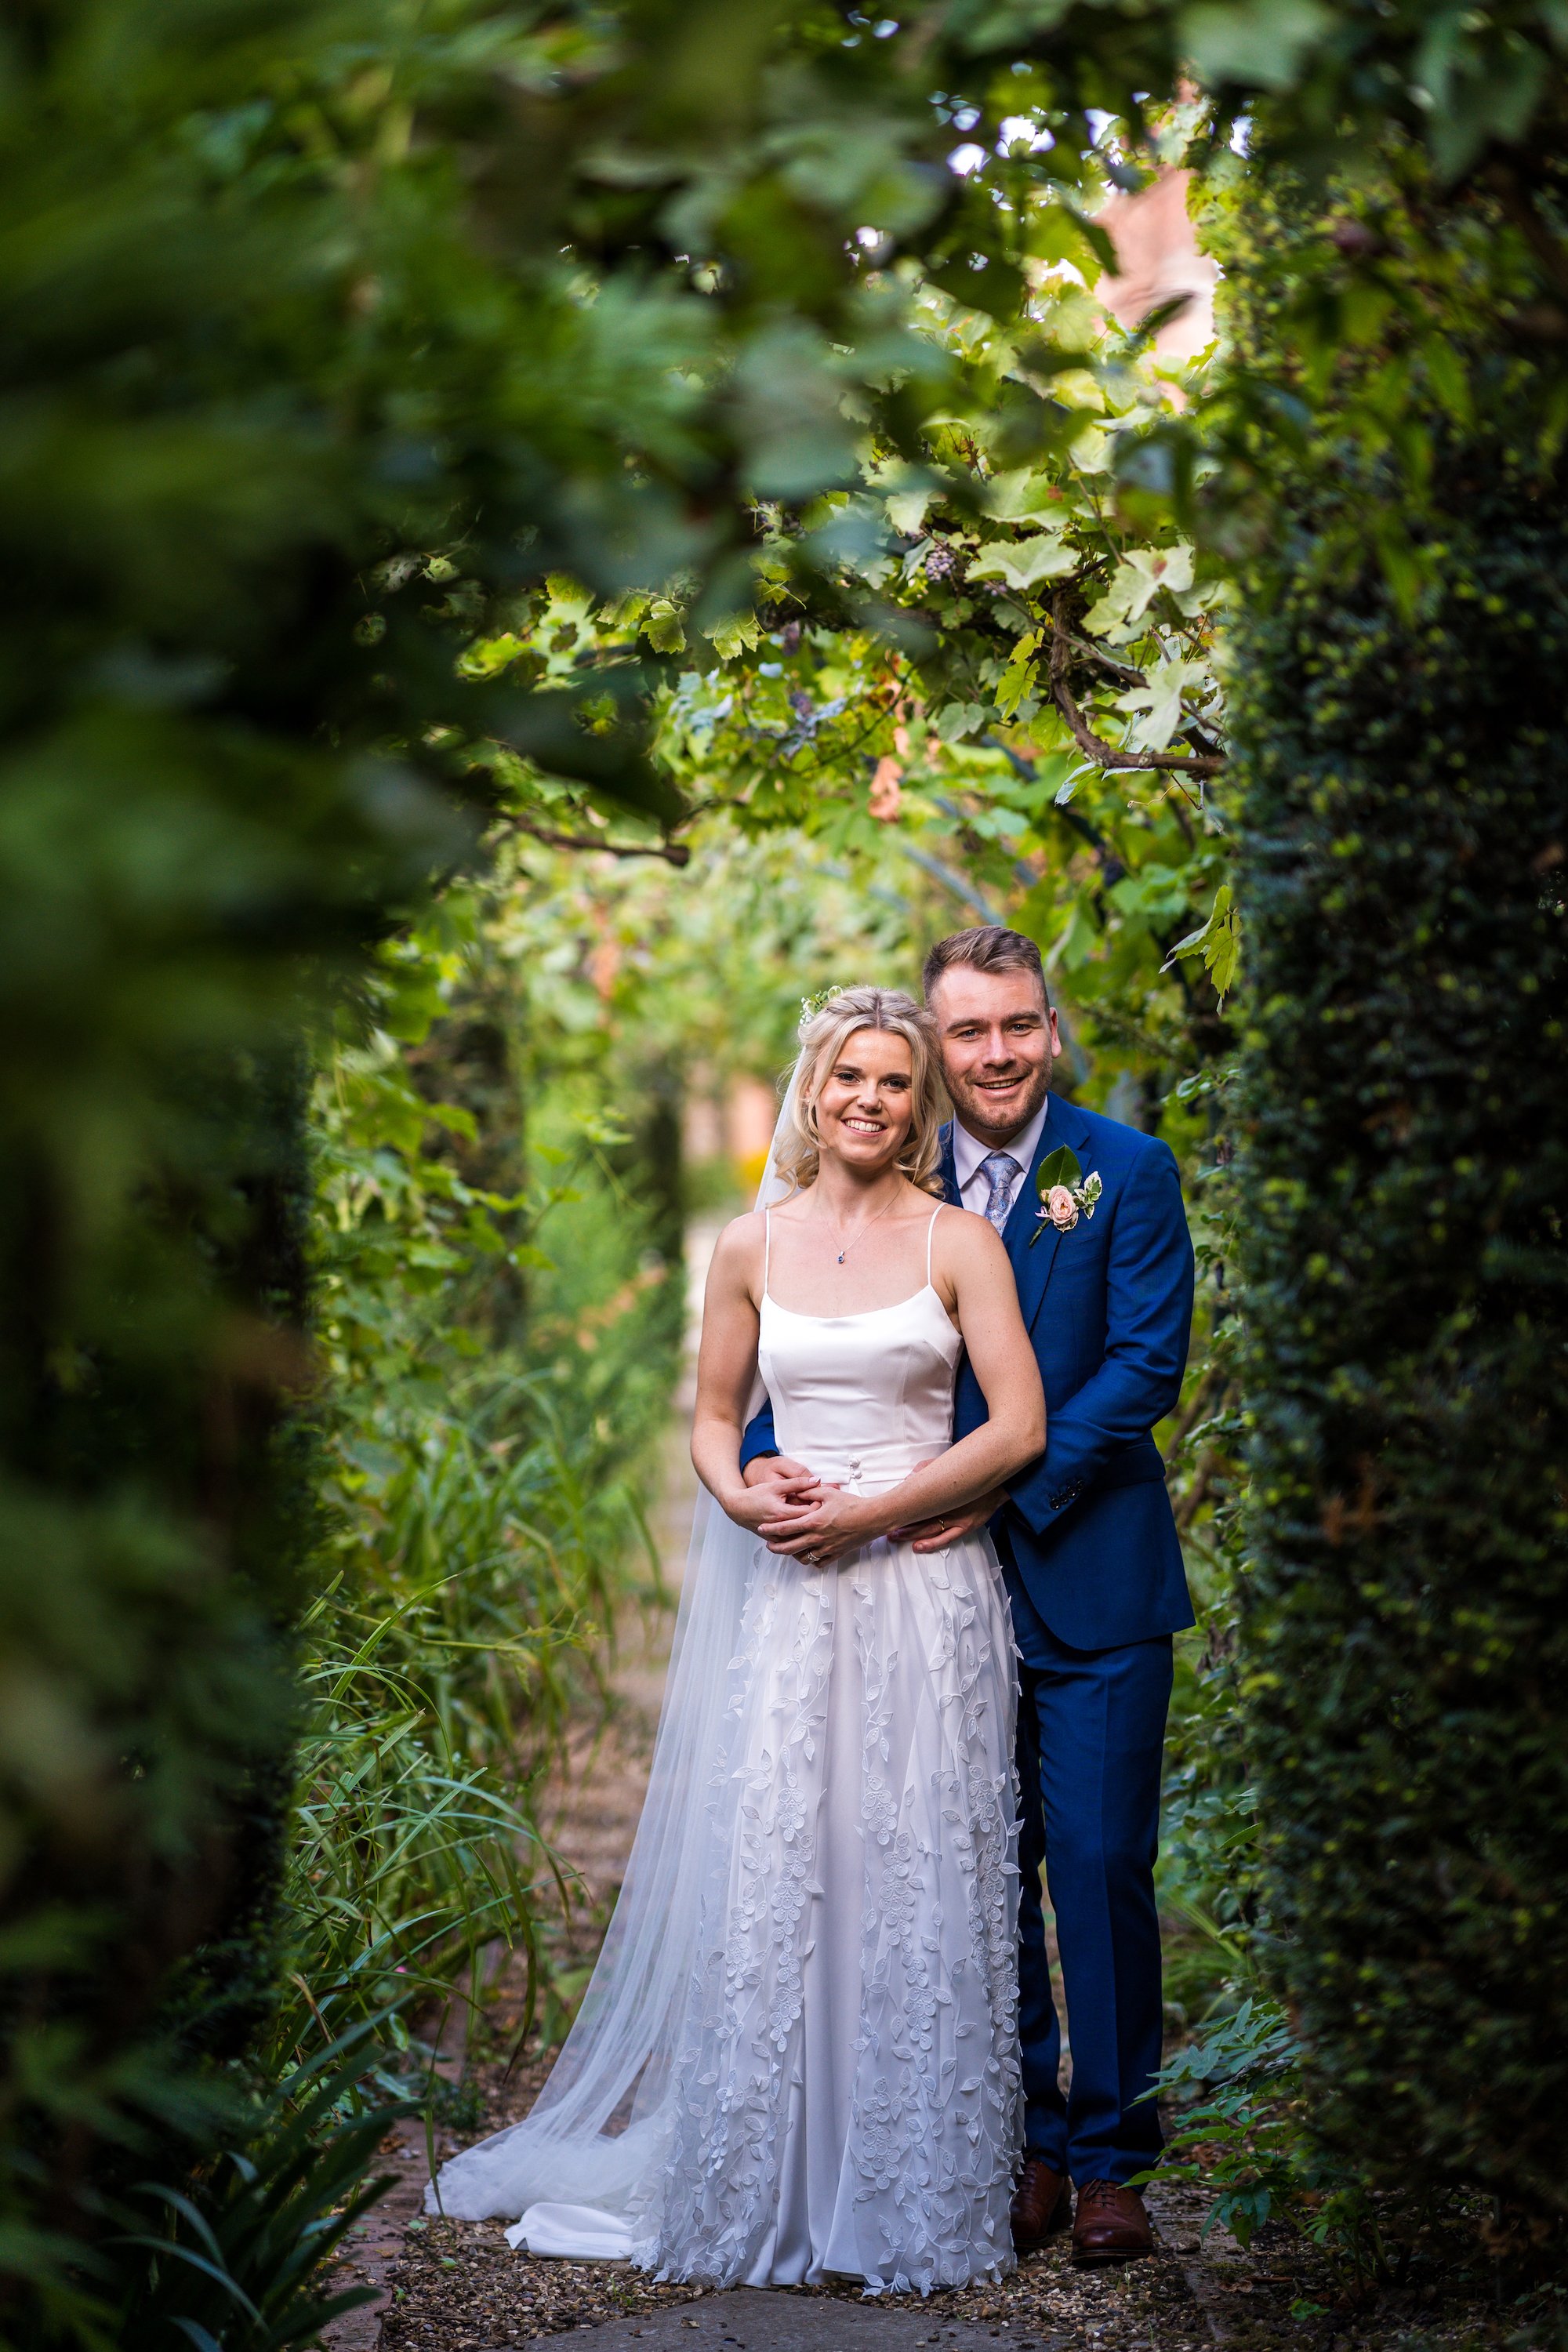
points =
(1240, 2127)
(1405, 1161)
(490, 1403)
(991, 661)
(1208, 1873)
(208, 816)
(1244, 2129)
(1217, 940)
(499, 1330)
(237, 2259)
(1483, 88)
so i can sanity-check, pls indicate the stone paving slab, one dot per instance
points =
(743, 2320)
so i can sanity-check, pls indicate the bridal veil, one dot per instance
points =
(584, 2168)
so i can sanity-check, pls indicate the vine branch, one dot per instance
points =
(1104, 754)
(674, 853)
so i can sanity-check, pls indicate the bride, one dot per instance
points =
(798, 2054)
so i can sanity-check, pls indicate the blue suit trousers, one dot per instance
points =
(1091, 1724)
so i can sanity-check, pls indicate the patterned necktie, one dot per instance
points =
(999, 1168)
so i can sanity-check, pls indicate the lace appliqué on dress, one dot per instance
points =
(934, 2091)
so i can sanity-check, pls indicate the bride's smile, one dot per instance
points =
(864, 1106)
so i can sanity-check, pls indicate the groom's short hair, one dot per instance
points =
(987, 947)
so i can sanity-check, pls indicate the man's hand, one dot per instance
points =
(935, 1535)
(791, 1478)
(750, 1508)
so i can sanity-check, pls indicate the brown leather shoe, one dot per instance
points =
(1041, 2206)
(1111, 2225)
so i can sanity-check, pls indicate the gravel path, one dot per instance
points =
(461, 2289)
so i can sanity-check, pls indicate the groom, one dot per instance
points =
(1089, 1550)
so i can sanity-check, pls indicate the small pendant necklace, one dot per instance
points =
(863, 1230)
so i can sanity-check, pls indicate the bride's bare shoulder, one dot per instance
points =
(737, 1251)
(964, 1242)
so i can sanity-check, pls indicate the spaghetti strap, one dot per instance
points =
(767, 1247)
(931, 1230)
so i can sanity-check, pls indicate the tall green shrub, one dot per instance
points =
(177, 844)
(1399, 660)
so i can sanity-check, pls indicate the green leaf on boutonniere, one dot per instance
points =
(1058, 1167)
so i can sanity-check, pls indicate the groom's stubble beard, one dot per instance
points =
(979, 1116)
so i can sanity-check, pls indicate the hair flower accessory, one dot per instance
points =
(1065, 1192)
(810, 1006)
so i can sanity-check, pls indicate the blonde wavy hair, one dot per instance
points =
(822, 1036)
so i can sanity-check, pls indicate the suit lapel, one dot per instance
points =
(1033, 1260)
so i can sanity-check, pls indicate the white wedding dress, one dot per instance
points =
(840, 2087)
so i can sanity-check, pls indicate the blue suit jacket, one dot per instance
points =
(1087, 1529)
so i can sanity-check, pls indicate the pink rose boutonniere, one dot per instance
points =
(1065, 1192)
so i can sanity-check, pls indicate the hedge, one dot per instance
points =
(1404, 1181)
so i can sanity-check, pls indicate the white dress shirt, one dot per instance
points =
(969, 1152)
